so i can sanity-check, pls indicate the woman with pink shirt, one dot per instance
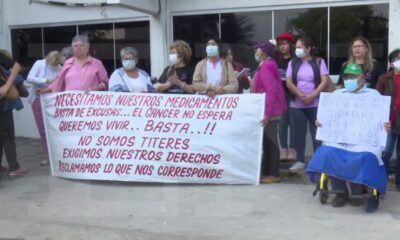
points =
(268, 80)
(306, 77)
(81, 72)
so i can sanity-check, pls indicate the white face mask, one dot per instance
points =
(300, 53)
(212, 51)
(396, 65)
(128, 64)
(173, 58)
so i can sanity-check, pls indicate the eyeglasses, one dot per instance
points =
(359, 46)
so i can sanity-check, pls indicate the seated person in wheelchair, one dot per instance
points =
(358, 165)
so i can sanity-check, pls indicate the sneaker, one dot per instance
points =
(292, 154)
(339, 200)
(297, 167)
(284, 154)
(45, 163)
(19, 172)
(270, 179)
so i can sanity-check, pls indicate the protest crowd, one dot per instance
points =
(288, 72)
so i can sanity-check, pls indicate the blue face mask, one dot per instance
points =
(351, 84)
(257, 58)
(212, 51)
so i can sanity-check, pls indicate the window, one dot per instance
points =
(56, 38)
(101, 38)
(305, 22)
(27, 44)
(369, 21)
(137, 35)
(244, 30)
(27, 47)
(196, 30)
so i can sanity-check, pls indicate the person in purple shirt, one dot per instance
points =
(268, 80)
(306, 77)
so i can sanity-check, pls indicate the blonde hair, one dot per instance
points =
(183, 49)
(53, 58)
(368, 61)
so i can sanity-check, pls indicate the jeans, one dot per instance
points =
(284, 124)
(270, 159)
(387, 155)
(300, 117)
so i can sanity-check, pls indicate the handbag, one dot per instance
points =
(12, 93)
(22, 91)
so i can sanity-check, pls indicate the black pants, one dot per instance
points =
(7, 140)
(270, 160)
(1, 129)
(340, 185)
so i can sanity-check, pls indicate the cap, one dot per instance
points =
(267, 47)
(353, 69)
(285, 36)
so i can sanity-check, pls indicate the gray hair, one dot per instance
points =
(130, 50)
(81, 38)
(66, 52)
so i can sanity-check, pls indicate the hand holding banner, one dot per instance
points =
(353, 118)
(154, 137)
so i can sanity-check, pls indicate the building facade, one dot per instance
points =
(30, 29)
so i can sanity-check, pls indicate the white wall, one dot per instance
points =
(394, 20)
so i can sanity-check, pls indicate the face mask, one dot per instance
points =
(351, 84)
(173, 58)
(128, 64)
(257, 58)
(212, 51)
(300, 53)
(396, 65)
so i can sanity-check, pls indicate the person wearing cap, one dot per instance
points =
(345, 163)
(285, 42)
(388, 85)
(267, 80)
(213, 75)
(306, 77)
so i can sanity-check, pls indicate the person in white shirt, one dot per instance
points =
(41, 75)
(130, 78)
(213, 75)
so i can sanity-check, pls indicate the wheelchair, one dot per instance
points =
(373, 196)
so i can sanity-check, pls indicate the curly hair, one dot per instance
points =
(183, 49)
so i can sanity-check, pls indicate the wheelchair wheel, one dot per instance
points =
(373, 202)
(323, 187)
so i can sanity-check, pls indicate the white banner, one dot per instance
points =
(353, 118)
(154, 137)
